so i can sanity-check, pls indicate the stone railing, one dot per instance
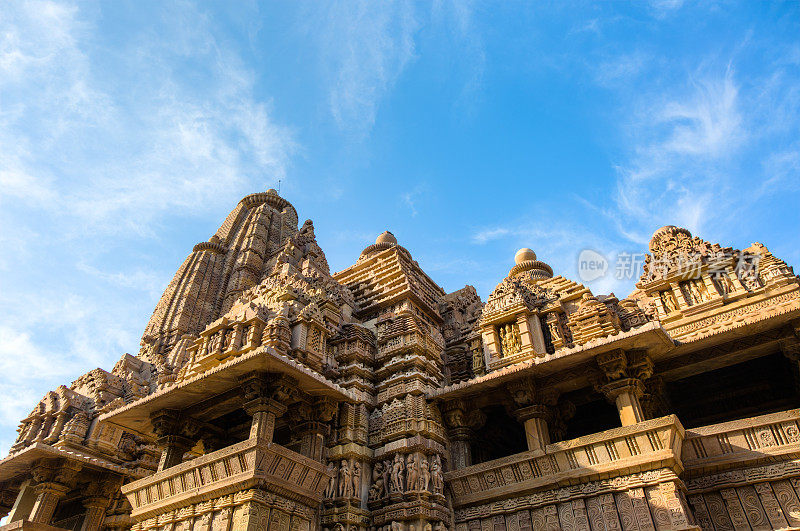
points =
(650, 445)
(745, 474)
(740, 443)
(249, 464)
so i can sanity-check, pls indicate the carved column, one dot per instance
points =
(313, 427)
(623, 373)
(461, 420)
(95, 512)
(169, 425)
(265, 398)
(533, 407)
(99, 494)
(53, 480)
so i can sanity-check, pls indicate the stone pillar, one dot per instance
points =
(53, 479)
(47, 497)
(626, 393)
(461, 419)
(312, 438)
(534, 418)
(95, 512)
(266, 397)
(172, 439)
(533, 407)
(537, 336)
(621, 383)
(460, 449)
(313, 425)
(24, 502)
(491, 341)
(265, 412)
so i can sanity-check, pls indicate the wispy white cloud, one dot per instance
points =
(365, 47)
(412, 198)
(680, 144)
(100, 145)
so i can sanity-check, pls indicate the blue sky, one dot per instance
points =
(128, 130)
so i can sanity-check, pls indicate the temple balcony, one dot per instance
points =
(577, 467)
(251, 464)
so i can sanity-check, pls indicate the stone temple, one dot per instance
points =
(270, 393)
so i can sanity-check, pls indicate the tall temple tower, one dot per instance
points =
(269, 393)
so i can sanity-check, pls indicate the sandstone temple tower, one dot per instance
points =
(270, 393)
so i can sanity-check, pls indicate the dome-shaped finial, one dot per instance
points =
(386, 237)
(272, 191)
(524, 255)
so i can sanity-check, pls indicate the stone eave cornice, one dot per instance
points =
(20, 463)
(135, 416)
(650, 336)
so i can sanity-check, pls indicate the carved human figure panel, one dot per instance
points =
(668, 299)
(425, 474)
(345, 480)
(437, 475)
(398, 469)
(412, 474)
(330, 490)
(356, 479)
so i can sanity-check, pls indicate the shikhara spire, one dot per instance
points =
(272, 393)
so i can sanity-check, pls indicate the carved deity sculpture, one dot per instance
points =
(398, 469)
(377, 489)
(425, 474)
(668, 298)
(503, 341)
(345, 481)
(357, 479)
(412, 473)
(436, 475)
(330, 490)
(555, 329)
(216, 341)
(698, 291)
(725, 284)
(387, 472)
(227, 339)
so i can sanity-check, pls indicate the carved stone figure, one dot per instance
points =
(356, 479)
(398, 469)
(437, 475)
(378, 488)
(425, 474)
(345, 481)
(668, 299)
(412, 473)
(330, 490)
